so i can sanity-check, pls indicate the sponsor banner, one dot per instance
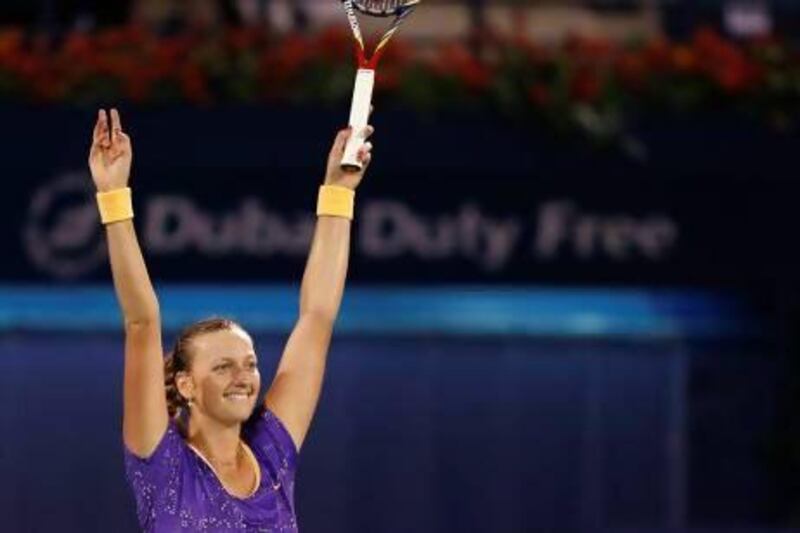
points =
(206, 215)
(506, 235)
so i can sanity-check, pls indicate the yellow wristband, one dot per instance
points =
(115, 206)
(336, 201)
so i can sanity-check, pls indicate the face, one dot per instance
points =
(224, 381)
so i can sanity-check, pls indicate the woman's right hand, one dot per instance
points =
(111, 154)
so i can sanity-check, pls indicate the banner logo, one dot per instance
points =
(62, 234)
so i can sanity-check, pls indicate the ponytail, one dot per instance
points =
(176, 403)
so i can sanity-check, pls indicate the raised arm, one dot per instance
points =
(144, 402)
(294, 392)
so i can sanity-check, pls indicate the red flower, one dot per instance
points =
(398, 54)
(10, 48)
(631, 68)
(684, 60)
(334, 43)
(121, 37)
(708, 42)
(538, 55)
(586, 86)
(658, 55)
(78, 47)
(243, 39)
(456, 60)
(193, 84)
(726, 63)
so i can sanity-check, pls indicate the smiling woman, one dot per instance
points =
(210, 353)
(201, 455)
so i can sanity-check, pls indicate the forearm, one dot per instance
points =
(326, 269)
(135, 293)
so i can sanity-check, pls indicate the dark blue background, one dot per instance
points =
(730, 183)
(432, 434)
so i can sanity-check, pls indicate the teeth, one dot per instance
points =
(237, 396)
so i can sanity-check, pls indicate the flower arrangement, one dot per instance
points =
(591, 84)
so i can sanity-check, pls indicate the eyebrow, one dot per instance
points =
(224, 358)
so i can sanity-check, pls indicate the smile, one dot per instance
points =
(237, 396)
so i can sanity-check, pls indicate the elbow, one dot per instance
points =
(322, 317)
(143, 321)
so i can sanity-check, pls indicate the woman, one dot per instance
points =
(199, 455)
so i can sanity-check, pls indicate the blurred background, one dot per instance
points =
(573, 295)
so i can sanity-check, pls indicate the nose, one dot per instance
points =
(241, 377)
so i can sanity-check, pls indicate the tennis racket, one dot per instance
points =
(365, 77)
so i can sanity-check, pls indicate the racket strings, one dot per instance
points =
(401, 9)
(383, 7)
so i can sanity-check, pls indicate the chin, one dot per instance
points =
(239, 413)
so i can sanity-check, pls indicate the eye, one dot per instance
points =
(220, 367)
(252, 365)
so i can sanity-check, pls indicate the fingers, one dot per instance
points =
(101, 136)
(365, 154)
(98, 125)
(110, 143)
(105, 133)
(344, 135)
(365, 161)
(340, 142)
(116, 123)
(118, 137)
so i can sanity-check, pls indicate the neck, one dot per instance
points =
(219, 443)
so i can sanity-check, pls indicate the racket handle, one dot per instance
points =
(359, 117)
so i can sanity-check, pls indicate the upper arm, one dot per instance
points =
(144, 400)
(295, 390)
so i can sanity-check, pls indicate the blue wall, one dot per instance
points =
(427, 433)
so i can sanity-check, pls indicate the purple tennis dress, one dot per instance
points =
(177, 491)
